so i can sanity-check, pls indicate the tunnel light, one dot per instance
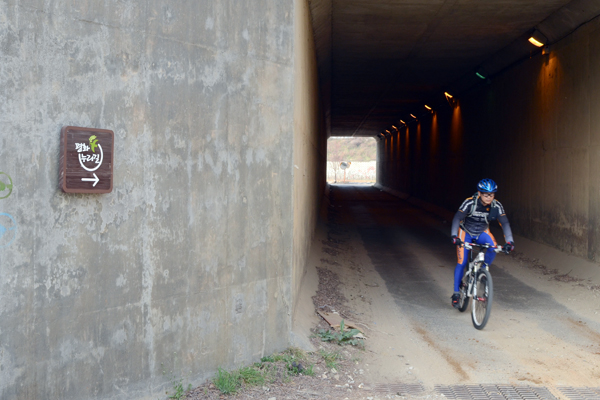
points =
(537, 39)
(413, 116)
(481, 73)
(450, 99)
(427, 107)
(403, 123)
(394, 126)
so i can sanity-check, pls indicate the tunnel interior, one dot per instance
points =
(455, 91)
(221, 111)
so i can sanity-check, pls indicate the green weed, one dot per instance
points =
(227, 382)
(330, 358)
(344, 336)
(308, 371)
(178, 387)
(267, 370)
(251, 376)
(179, 390)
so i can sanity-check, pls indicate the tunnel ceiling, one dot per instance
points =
(380, 60)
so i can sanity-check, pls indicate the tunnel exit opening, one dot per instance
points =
(351, 160)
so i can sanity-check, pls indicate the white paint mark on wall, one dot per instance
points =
(121, 281)
(119, 337)
(209, 24)
(212, 75)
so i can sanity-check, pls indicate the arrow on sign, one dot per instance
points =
(94, 179)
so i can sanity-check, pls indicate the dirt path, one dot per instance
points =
(388, 267)
(395, 266)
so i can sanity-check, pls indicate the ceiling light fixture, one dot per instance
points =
(537, 38)
(450, 99)
(427, 107)
(481, 73)
(403, 123)
(413, 116)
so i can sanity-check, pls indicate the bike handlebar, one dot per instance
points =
(497, 249)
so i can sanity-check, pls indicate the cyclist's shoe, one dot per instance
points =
(455, 299)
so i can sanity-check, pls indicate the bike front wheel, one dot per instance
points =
(463, 300)
(483, 295)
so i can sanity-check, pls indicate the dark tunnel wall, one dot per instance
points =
(535, 130)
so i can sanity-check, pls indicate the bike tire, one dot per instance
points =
(463, 300)
(481, 306)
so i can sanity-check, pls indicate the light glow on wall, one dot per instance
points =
(434, 134)
(456, 130)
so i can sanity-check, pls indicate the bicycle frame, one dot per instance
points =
(481, 304)
(472, 269)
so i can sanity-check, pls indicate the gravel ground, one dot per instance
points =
(341, 380)
(338, 381)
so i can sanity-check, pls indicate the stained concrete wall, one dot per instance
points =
(535, 130)
(188, 264)
(310, 141)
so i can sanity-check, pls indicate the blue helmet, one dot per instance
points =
(487, 186)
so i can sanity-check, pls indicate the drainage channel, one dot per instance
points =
(494, 392)
(583, 393)
(491, 392)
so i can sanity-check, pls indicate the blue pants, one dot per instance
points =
(463, 254)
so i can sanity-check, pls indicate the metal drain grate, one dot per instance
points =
(494, 392)
(581, 393)
(401, 389)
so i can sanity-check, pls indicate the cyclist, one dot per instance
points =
(471, 224)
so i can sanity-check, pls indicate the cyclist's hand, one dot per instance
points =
(509, 246)
(456, 240)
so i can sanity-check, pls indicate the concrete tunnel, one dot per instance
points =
(221, 112)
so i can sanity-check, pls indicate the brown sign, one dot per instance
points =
(86, 160)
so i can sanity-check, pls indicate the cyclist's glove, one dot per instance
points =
(509, 246)
(456, 240)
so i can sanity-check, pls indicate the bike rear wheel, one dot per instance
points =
(481, 306)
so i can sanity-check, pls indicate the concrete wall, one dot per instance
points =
(310, 141)
(188, 264)
(535, 130)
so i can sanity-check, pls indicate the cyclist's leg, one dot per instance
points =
(463, 255)
(487, 238)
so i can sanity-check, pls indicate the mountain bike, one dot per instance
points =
(477, 284)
